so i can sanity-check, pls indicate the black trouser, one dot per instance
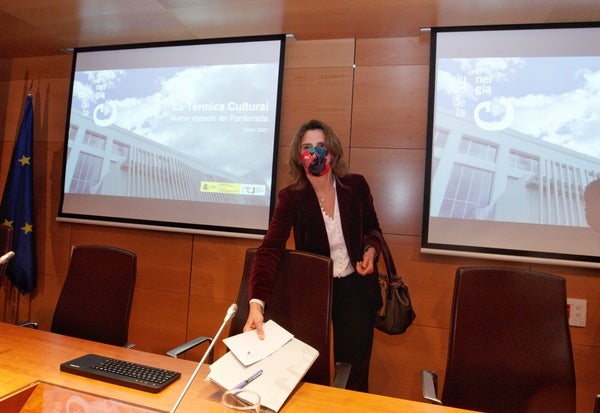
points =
(353, 315)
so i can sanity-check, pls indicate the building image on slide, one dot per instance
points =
(506, 176)
(110, 160)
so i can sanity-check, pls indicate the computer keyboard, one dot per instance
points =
(121, 372)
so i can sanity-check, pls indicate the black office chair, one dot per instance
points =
(300, 303)
(597, 404)
(510, 345)
(96, 298)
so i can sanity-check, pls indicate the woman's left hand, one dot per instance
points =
(365, 267)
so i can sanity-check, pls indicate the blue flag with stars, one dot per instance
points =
(16, 208)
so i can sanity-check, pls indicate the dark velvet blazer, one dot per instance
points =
(299, 209)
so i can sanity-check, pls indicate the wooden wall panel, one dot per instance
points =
(52, 245)
(317, 83)
(6, 154)
(321, 93)
(52, 237)
(582, 283)
(393, 51)
(48, 172)
(4, 86)
(390, 106)
(430, 284)
(283, 178)
(396, 180)
(43, 300)
(158, 320)
(205, 318)
(36, 68)
(587, 366)
(319, 53)
(217, 266)
(50, 113)
(397, 361)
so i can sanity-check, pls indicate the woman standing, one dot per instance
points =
(331, 213)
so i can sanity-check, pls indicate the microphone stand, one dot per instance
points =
(230, 313)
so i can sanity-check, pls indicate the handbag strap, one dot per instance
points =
(387, 256)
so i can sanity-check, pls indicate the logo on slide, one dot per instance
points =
(105, 114)
(499, 115)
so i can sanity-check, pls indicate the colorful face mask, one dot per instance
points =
(316, 162)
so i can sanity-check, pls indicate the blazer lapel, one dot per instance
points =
(344, 203)
(314, 217)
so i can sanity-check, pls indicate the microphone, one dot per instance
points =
(228, 316)
(6, 258)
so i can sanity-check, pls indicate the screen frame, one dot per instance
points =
(219, 229)
(466, 249)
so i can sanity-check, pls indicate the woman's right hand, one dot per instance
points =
(255, 320)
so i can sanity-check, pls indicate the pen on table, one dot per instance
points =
(248, 380)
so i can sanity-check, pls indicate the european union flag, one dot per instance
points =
(16, 209)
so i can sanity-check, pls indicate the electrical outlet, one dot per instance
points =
(576, 309)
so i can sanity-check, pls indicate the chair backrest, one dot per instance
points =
(5, 245)
(96, 298)
(300, 302)
(510, 345)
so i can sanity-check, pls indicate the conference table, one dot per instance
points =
(31, 359)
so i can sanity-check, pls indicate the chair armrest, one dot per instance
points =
(190, 345)
(31, 324)
(342, 371)
(429, 386)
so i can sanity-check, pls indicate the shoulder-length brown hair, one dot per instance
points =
(332, 144)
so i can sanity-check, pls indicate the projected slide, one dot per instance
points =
(531, 115)
(183, 134)
(515, 141)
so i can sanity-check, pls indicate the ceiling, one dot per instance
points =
(44, 27)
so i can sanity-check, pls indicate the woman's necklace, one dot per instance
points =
(323, 196)
(326, 198)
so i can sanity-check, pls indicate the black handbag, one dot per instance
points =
(397, 312)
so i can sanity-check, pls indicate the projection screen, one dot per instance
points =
(177, 136)
(513, 143)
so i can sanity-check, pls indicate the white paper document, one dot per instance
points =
(281, 372)
(249, 349)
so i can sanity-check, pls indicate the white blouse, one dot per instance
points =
(337, 246)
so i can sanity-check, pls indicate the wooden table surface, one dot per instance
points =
(28, 355)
